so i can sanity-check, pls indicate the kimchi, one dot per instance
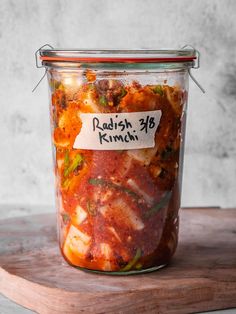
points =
(118, 209)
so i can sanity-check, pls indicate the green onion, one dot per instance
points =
(157, 207)
(66, 159)
(138, 266)
(78, 159)
(103, 101)
(123, 92)
(128, 191)
(65, 218)
(66, 183)
(158, 90)
(132, 263)
(97, 181)
(102, 182)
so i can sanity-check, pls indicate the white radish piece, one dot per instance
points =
(143, 155)
(106, 252)
(103, 209)
(129, 217)
(125, 166)
(174, 97)
(121, 210)
(80, 215)
(90, 103)
(77, 241)
(148, 199)
(113, 231)
(105, 195)
(60, 162)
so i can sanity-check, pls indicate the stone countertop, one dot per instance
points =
(9, 307)
(9, 211)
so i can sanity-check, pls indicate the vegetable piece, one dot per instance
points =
(91, 86)
(145, 155)
(175, 98)
(80, 215)
(66, 183)
(90, 75)
(103, 101)
(60, 162)
(66, 159)
(163, 202)
(132, 263)
(128, 191)
(148, 199)
(102, 182)
(69, 123)
(138, 266)
(155, 170)
(124, 214)
(59, 98)
(123, 93)
(60, 139)
(113, 231)
(130, 215)
(158, 90)
(76, 242)
(97, 181)
(65, 218)
(91, 207)
(138, 99)
(106, 252)
(110, 91)
(90, 101)
(78, 159)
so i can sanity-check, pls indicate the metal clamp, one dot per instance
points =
(197, 62)
(37, 55)
(195, 66)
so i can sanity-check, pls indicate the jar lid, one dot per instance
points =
(117, 56)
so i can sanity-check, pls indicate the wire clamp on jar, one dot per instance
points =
(40, 66)
(195, 66)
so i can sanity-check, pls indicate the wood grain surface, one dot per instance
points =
(201, 277)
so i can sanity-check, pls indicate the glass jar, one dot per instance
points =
(118, 125)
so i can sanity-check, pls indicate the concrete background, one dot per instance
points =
(209, 25)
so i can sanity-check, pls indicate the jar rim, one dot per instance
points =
(118, 55)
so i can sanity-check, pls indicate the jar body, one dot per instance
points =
(118, 208)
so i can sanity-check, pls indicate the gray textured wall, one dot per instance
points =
(210, 26)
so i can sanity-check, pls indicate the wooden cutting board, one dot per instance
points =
(202, 275)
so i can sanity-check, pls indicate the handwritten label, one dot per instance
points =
(115, 131)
